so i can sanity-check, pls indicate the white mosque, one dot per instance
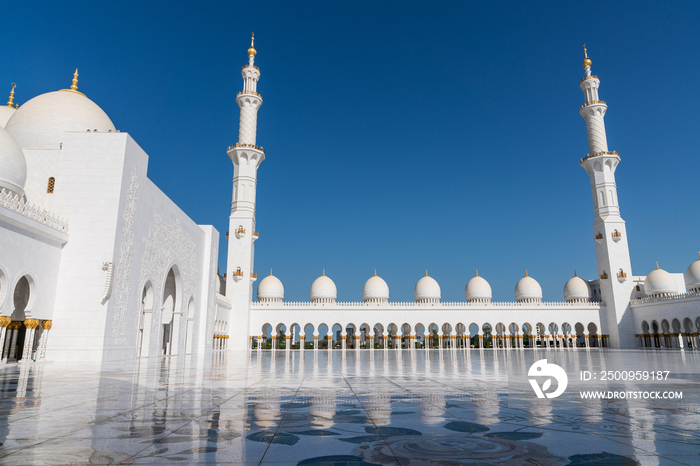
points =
(97, 264)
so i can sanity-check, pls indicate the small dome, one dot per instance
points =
(427, 290)
(528, 290)
(323, 290)
(5, 114)
(375, 290)
(692, 276)
(576, 290)
(477, 290)
(659, 283)
(40, 123)
(13, 166)
(270, 289)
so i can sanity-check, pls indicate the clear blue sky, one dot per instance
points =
(399, 136)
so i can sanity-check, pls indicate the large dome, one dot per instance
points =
(41, 122)
(528, 290)
(576, 290)
(5, 113)
(270, 289)
(323, 290)
(477, 290)
(692, 276)
(427, 290)
(659, 283)
(375, 290)
(13, 166)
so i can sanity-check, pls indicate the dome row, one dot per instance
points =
(427, 290)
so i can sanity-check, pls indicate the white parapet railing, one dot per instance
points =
(666, 297)
(13, 202)
(446, 305)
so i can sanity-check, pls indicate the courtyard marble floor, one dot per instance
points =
(371, 407)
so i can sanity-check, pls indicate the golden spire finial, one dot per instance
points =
(426, 272)
(251, 50)
(526, 272)
(74, 86)
(657, 265)
(699, 255)
(270, 271)
(375, 272)
(11, 102)
(324, 273)
(586, 61)
(575, 274)
(477, 272)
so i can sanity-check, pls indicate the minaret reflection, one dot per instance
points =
(432, 409)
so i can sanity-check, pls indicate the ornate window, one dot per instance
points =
(52, 183)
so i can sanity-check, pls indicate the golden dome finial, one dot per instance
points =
(526, 273)
(270, 271)
(324, 273)
(426, 272)
(74, 86)
(11, 102)
(251, 50)
(477, 272)
(575, 275)
(657, 265)
(375, 272)
(586, 61)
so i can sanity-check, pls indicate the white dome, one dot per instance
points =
(659, 282)
(13, 166)
(323, 290)
(375, 290)
(41, 122)
(576, 290)
(477, 290)
(692, 276)
(270, 289)
(528, 290)
(427, 290)
(5, 114)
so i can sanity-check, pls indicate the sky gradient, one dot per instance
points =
(399, 136)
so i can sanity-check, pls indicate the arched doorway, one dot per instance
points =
(170, 315)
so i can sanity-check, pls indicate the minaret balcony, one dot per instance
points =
(604, 275)
(256, 235)
(238, 274)
(253, 275)
(240, 232)
(588, 77)
(246, 146)
(592, 102)
(616, 236)
(253, 66)
(249, 93)
(599, 238)
(598, 154)
(621, 276)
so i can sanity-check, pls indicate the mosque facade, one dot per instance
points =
(98, 264)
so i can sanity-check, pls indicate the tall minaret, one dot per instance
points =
(246, 158)
(612, 251)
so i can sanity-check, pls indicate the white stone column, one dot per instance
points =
(4, 322)
(586, 342)
(302, 342)
(13, 344)
(8, 342)
(315, 342)
(357, 342)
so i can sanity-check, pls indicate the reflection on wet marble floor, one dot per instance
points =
(336, 408)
